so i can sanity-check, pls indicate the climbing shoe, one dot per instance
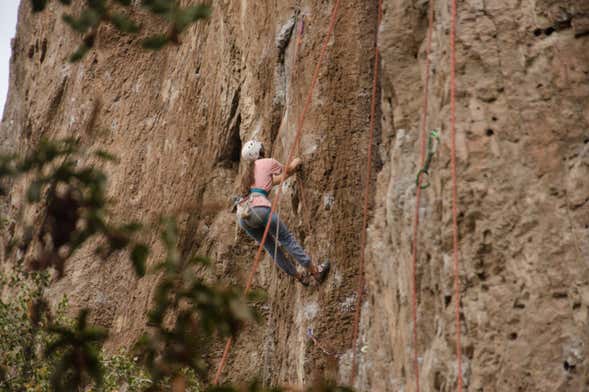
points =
(303, 279)
(322, 271)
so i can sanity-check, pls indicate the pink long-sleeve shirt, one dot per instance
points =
(264, 170)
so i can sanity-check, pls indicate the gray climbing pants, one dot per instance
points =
(254, 226)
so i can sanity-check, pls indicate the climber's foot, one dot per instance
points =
(322, 271)
(303, 278)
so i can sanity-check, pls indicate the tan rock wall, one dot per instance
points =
(522, 136)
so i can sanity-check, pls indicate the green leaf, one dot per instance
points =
(79, 54)
(74, 23)
(138, 257)
(158, 6)
(106, 156)
(199, 260)
(123, 23)
(38, 5)
(94, 334)
(191, 14)
(98, 5)
(34, 192)
(169, 233)
(131, 228)
(155, 42)
(257, 295)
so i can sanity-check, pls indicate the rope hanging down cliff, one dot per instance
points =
(368, 174)
(454, 190)
(418, 190)
(294, 147)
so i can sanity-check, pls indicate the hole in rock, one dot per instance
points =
(489, 132)
(549, 30)
(494, 118)
(236, 150)
(576, 305)
(569, 367)
(43, 49)
(586, 141)
(438, 381)
(519, 305)
(537, 32)
(447, 299)
(513, 336)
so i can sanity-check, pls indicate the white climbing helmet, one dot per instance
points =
(251, 150)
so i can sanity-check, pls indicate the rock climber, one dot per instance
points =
(253, 210)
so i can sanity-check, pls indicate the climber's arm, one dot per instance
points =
(289, 171)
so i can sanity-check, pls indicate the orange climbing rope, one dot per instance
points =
(368, 173)
(456, 269)
(454, 190)
(297, 140)
(418, 191)
(301, 188)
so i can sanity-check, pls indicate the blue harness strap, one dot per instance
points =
(260, 191)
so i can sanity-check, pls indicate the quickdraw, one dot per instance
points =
(434, 134)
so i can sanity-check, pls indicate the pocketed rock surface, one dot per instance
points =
(177, 120)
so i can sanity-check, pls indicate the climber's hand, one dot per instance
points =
(296, 164)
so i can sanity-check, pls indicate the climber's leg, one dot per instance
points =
(280, 258)
(287, 240)
(258, 232)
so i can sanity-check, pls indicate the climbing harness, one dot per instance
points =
(260, 191)
(243, 206)
(428, 160)
(297, 140)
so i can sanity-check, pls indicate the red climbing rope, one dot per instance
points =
(361, 282)
(297, 48)
(418, 191)
(277, 196)
(454, 190)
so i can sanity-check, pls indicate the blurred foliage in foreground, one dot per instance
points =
(43, 350)
(187, 313)
(117, 13)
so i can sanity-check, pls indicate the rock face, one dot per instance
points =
(178, 118)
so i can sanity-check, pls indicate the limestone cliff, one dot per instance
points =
(177, 120)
